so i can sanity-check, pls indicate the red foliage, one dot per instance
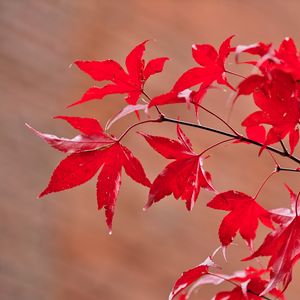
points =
(275, 90)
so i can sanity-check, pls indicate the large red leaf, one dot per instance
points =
(122, 82)
(211, 69)
(184, 177)
(81, 166)
(283, 245)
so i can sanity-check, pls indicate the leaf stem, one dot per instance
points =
(274, 159)
(264, 182)
(149, 98)
(234, 136)
(216, 116)
(138, 123)
(215, 145)
(296, 204)
(235, 74)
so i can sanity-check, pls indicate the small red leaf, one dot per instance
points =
(244, 215)
(190, 276)
(184, 177)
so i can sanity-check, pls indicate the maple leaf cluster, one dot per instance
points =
(274, 87)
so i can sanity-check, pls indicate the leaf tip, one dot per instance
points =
(43, 193)
(72, 104)
(148, 205)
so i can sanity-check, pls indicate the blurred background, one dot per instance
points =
(58, 247)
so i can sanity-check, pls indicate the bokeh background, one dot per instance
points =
(58, 247)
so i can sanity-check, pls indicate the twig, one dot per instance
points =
(234, 136)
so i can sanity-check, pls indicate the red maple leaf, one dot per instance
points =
(286, 215)
(244, 215)
(283, 245)
(289, 58)
(92, 150)
(212, 69)
(213, 61)
(276, 91)
(122, 82)
(285, 58)
(191, 276)
(279, 107)
(248, 283)
(184, 177)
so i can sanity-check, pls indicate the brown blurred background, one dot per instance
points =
(58, 247)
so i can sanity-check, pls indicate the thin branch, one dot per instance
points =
(288, 169)
(236, 137)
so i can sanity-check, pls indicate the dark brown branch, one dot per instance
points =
(283, 147)
(236, 137)
(288, 169)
